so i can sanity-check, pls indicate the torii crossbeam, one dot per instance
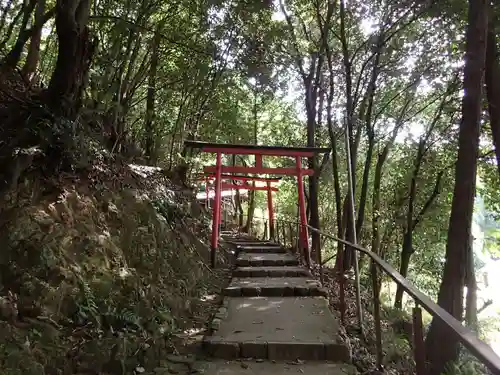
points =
(258, 151)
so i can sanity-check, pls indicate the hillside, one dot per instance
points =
(107, 272)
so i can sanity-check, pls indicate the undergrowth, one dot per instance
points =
(397, 330)
(103, 269)
(117, 277)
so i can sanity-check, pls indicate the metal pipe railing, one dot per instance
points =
(483, 352)
(467, 338)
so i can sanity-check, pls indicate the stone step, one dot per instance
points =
(245, 239)
(254, 244)
(262, 249)
(252, 367)
(271, 272)
(275, 287)
(277, 328)
(266, 259)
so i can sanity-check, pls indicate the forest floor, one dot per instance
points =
(398, 356)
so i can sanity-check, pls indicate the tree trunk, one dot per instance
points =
(251, 210)
(73, 58)
(376, 208)
(29, 68)
(364, 184)
(450, 295)
(336, 179)
(237, 198)
(407, 250)
(13, 57)
(405, 264)
(345, 260)
(239, 208)
(313, 190)
(370, 94)
(492, 79)
(150, 102)
(333, 143)
(471, 299)
(24, 10)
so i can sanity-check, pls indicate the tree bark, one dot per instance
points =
(492, 79)
(333, 143)
(450, 295)
(237, 198)
(313, 189)
(251, 210)
(150, 101)
(14, 55)
(29, 68)
(471, 310)
(25, 11)
(73, 58)
(370, 93)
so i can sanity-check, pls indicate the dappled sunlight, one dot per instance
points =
(208, 297)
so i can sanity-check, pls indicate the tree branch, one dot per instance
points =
(430, 200)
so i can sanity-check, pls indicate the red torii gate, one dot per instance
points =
(258, 151)
(246, 186)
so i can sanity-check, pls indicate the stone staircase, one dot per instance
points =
(276, 314)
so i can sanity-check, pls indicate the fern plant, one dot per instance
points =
(87, 308)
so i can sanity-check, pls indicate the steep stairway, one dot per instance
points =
(276, 314)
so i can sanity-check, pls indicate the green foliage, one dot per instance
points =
(466, 365)
(266, 73)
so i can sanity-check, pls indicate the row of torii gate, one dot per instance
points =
(242, 183)
(245, 174)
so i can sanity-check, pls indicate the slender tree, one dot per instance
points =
(459, 233)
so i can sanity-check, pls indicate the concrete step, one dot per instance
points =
(271, 272)
(245, 239)
(275, 287)
(271, 248)
(251, 367)
(277, 328)
(266, 260)
(248, 240)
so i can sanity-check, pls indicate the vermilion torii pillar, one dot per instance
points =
(258, 151)
(246, 186)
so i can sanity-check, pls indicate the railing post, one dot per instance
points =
(418, 341)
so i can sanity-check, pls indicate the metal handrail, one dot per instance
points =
(480, 349)
(467, 337)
